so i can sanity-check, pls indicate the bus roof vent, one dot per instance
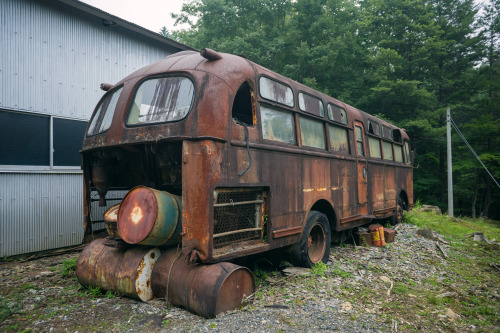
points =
(210, 54)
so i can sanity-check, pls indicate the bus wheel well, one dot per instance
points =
(404, 198)
(326, 208)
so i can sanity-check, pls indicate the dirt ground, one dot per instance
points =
(402, 287)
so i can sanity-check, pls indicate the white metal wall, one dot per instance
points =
(53, 59)
(40, 211)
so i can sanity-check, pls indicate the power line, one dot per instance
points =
(472, 150)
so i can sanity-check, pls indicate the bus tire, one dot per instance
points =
(314, 244)
(398, 214)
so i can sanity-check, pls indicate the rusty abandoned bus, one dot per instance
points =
(217, 158)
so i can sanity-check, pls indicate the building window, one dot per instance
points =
(68, 140)
(277, 125)
(276, 91)
(313, 133)
(25, 140)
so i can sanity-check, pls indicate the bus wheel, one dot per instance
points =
(398, 214)
(314, 245)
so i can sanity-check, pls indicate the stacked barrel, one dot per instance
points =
(151, 263)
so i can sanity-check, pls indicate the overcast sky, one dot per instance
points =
(150, 14)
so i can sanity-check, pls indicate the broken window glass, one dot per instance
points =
(337, 114)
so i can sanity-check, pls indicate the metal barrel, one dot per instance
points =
(126, 271)
(206, 290)
(150, 217)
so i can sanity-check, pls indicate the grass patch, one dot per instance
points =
(68, 266)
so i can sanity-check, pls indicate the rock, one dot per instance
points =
(296, 271)
(430, 209)
(346, 307)
(385, 279)
(427, 233)
(451, 315)
(448, 294)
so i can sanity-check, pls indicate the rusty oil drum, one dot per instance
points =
(206, 290)
(126, 271)
(150, 217)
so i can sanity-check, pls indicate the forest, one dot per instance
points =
(405, 61)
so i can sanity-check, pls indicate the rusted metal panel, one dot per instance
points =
(206, 290)
(202, 163)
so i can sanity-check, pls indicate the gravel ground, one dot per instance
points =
(352, 293)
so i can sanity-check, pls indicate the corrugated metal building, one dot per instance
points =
(54, 55)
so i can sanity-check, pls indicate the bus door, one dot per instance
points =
(362, 169)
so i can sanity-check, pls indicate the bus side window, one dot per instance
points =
(374, 145)
(359, 141)
(398, 153)
(244, 105)
(407, 153)
(387, 148)
(277, 125)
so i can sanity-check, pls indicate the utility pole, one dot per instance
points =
(448, 156)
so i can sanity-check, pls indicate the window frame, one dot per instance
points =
(331, 119)
(277, 109)
(322, 125)
(97, 106)
(51, 167)
(271, 100)
(348, 151)
(136, 90)
(301, 92)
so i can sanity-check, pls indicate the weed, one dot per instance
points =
(340, 272)
(400, 288)
(320, 269)
(95, 291)
(165, 322)
(26, 286)
(68, 265)
(213, 325)
(110, 294)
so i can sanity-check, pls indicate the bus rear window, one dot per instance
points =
(161, 100)
(104, 114)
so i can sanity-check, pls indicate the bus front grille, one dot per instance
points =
(238, 216)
